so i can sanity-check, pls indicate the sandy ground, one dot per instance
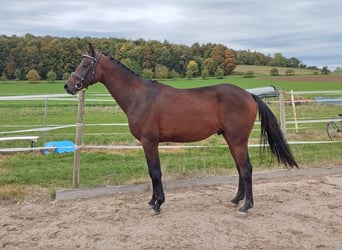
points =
(303, 212)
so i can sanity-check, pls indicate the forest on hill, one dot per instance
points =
(55, 57)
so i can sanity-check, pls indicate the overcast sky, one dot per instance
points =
(310, 30)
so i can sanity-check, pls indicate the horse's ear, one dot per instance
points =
(90, 50)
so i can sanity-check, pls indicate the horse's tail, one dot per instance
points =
(271, 133)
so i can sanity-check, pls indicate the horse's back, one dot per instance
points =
(227, 98)
(220, 92)
(209, 102)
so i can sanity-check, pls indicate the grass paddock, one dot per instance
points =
(27, 172)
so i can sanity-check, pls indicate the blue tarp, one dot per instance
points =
(328, 100)
(59, 147)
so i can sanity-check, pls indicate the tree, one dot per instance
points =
(217, 55)
(325, 70)
(209, 67)
(204, 73)
(229, 62)
(147, 57)
(10, 68)
(33, 75)
(161, 72)
(20, 54)
(4, 52)
(219, 73)
(278, 60)
(338, 70)
(133, 65)
(293, 62)
(191, 69)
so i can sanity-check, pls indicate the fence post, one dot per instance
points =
(78, 140)
(294, 110)
(45, 119)
(282, 111)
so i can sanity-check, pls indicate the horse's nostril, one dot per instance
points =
(65, 86)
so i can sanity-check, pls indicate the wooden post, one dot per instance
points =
(282, 111)
(78, 140)
(294, 110)
(45, 119)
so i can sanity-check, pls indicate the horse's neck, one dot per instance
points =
(124, 86)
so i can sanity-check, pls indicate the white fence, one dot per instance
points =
(107, 98)
(79, 125)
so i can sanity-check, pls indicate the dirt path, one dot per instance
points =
(303, 212)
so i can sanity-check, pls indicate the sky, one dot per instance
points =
(310, 30)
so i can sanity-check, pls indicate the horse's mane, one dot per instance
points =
(121, 64)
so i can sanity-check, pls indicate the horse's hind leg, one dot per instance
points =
(244, 167)
(246, 176)
(240, 195)
(245, 182)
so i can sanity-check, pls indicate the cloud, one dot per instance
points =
(307, 29)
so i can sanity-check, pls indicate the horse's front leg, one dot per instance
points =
(153, 162)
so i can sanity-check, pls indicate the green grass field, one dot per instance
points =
(20, 173)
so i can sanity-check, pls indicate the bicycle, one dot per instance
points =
(334, 129)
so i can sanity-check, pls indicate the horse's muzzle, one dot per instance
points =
(66, 88)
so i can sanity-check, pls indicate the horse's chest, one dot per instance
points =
(140, 127)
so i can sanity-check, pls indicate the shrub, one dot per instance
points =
(219, 73)
(65, 76)
(174, 74)
(51, 76)
(248, 74)
(161, 72)
(147, 73)
(33, 76)
(3, 78)
(274, 72)
(290, 72)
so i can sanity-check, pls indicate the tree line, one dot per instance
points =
(53, 58)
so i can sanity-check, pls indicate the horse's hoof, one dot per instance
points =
(152, 204)
(155, 207)
(234, 204)
(243, 213)
(155, 211)
(244, 209)
(235, 201)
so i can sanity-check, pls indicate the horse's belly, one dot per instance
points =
(187, 131)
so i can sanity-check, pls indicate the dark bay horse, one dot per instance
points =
(159, 113)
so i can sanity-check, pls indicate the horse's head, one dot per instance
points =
(84, 74)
